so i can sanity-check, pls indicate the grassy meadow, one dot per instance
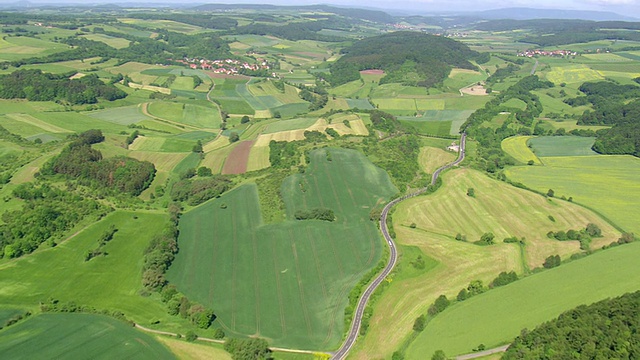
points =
(497, 316)
(296, 294)
(604, 183)
(105, 282)
(517, 147)
(78, 336)
(498, 208)
(546, 146)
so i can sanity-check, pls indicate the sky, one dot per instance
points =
(624, 7)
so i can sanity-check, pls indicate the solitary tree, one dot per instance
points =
(234, 137)
(550, 193)
(245, 119)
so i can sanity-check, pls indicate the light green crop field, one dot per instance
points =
(105, 282)
(122, 115)
(544, 146)
(496, 317)
(459, 78)
(572, 74)
(78, 336)
(20, 47)
(466, 102)
(605, 183)
(398, 90)
(164, 24)
(285, 281)
(287, 125)
(182, 83)
(78, 122)
(114, 42)
(425, 127)
(516, 146)
(515, 103)
(188, 114)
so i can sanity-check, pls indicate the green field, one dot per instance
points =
(106, 282)
(78, 336)
(287, 125)
(287, 281)
(20, 47)
(114, 42)
(605, 183)
(188, 114)
(562, 146)
(516, 146)
(496, 317)
(121, 115)
(426, 127)
(572, 74)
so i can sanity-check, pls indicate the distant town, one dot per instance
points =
(226, 66)
(540, 52)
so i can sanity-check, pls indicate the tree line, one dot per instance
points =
(608, 329)
(36, 85)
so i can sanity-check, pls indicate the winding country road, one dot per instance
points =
(362, 303)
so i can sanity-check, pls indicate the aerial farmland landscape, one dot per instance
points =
(238, 181)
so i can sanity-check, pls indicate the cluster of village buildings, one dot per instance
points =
(540, 52)
(226, 66)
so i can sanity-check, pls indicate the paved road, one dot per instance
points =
(362, 303)
(535, 66)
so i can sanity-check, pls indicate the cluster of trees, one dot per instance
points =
(552, 261)
(398, 156)
(486, 239)
(48, 212)
(431, 57)
(605, 330)
(160, 253)
(35, 85)
(197, 191)
(316, 96)
(106, 236)
(315, 214)
(248, 349)
(584, 235)
(384, 121)
(118, 174)
(504, 278)
(613, 104)
(178, 304)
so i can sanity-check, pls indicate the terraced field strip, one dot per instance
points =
(237, 161)
(289, 279)
(78, 336)
(497, 316)
(545, 146)
(605, 183)
(258, 158)
(498, 208)
(516, 146)
(28, 119)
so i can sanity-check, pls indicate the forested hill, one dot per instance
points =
(608, 329)
(400, 54)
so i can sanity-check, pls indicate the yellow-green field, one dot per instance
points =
(516, 146)
(606, 183)
(431, 158)
(498, 208)
(572, 74)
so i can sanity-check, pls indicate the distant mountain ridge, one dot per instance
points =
(530, 14)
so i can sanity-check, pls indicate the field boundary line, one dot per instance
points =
(144, 107)
(352, 336)
(303, 300)
(217, 341)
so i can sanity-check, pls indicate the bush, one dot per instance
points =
(191, 336)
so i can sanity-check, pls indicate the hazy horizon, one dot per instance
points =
(623, 7)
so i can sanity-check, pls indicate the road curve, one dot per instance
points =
(362, 303)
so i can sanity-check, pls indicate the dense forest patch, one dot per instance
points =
(401, 53)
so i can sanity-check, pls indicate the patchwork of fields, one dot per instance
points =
(295, 295)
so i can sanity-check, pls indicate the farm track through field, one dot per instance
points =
(283, 322)
(145, 111)
(352, 336)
